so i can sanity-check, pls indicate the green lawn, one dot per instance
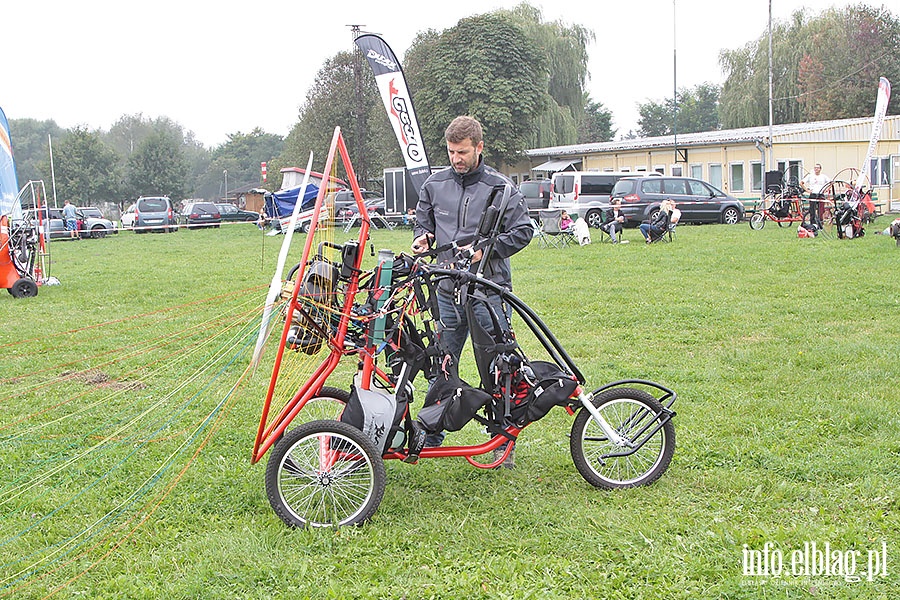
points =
(124, 452)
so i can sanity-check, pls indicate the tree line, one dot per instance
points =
(525, 79)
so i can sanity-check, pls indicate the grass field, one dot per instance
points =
(124, 453)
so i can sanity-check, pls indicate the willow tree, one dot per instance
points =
(824, 67)
(523, 79)
(566, 104)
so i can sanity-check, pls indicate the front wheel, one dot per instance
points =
(731, 215)
(648, 440)
(325, 474)
(757, 220)
(98, 231)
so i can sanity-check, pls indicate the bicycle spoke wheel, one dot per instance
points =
(757, 220)
(326, 405)
(323, 474)
(646, 449)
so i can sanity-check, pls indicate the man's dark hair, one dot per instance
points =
(462, 128)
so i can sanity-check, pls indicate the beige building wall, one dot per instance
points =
(738, 168)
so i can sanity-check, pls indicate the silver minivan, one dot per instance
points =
(151, 213)
(585, 193)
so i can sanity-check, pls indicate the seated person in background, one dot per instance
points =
(675, 214)
(659, 223)
(613, 220)
(565, 222)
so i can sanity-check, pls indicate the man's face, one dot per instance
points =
(464, 155)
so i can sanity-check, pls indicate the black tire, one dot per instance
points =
(98, 231)
(757, 220)
(785, 223)
(327, 405)
(325, 474)
(731, 216)
(652, 216)
(24, 288)
(629, 412)
(594, 218)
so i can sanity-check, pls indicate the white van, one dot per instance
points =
(585, 193)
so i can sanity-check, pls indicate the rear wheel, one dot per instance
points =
(594, 218)
(646, 447)
(98, 231)
(326, 405)
(24, 288)
(325, 474)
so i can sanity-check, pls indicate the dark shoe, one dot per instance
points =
(433, 440)
(417, 437)
(510, 462)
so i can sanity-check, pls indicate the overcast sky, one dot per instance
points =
(224, 67)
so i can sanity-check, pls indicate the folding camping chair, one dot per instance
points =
(669, 234)
(550, 234)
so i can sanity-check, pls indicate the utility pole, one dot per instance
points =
(771, 148)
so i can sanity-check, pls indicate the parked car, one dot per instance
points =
(52, 221)
(92, 223)
(537, 193)
(373, 205)
(345, 202)
(698, 201)
(584, 193)
(150, 213)
(201, 214)
(230, 212)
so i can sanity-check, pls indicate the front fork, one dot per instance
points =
(611, 434)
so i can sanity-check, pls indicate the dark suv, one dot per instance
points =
(698, 201)
(537, 193)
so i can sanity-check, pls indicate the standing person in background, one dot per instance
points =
(812, 184)
(71, 219)
(451, 203)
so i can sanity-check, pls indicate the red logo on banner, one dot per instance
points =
(262, 167)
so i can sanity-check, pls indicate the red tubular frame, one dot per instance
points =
(267, 435)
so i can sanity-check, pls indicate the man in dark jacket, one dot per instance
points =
(451, 203)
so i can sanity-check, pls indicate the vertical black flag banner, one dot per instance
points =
(399, 106)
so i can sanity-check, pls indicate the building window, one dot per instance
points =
(736, 177)
(880, 171)
(715, 175)
(677, 170)
(791, 171)
(697, 171)
(661, 169)
(756, 177)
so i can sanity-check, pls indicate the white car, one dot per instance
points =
(127, 218)
(92, 223)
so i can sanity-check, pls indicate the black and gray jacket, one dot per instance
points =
(450, 207)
